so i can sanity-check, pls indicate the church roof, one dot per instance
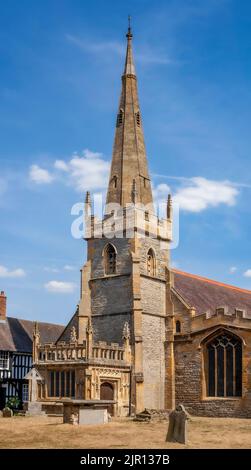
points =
(205, 295)
(17, 334)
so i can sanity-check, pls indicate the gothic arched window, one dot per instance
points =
(151, 263)
(224, 366)
(178, 326)
(110, 259)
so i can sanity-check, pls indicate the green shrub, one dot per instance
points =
(13, 403)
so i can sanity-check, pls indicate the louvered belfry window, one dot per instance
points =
(224, 366)
(110, 259)
(150, 263)
(137, 115)
(120, 117)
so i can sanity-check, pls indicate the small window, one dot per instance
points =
(150, 263)
(25, 392)
(147, 215)
(239, 313)
(115, 181)
(110, 259)
(178, 326)
(137, 115)
(4, 360)
(120, 117)
(220, 311)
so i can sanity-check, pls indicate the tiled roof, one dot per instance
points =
(16, 334)
(206, 295)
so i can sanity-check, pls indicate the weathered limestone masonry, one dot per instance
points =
(137, 296)
(133, 292)
(123, 283)
(93, 363)
(191, 352)
(143, 335)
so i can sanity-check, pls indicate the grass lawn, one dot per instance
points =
(46, 432)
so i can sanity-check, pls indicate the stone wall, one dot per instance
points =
(111, 295)
(123, 260)
(153, 330)
(161, 256)
(153, 296)
(190, 386)
(181, 314)
(109, 327)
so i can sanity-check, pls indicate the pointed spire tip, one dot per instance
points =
(129, 30)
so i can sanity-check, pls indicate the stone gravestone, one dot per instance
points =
(177, 429)
(34, 407)
(7, 413)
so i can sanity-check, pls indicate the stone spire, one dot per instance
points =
(129, 161)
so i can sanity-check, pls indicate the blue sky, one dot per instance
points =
(60, 64)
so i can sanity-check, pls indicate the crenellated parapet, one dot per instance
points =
(134, 219)
(221, 315)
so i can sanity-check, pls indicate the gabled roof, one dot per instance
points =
(206, 294)
(17, 334)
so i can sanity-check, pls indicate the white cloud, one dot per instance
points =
(5, 272)
(88, 171)
(233, 269)
(61, 165)
(40, 175)
(60, 287)
(85, 171)
(247, 273)
(200, 193)
(67, 267)
(161, 191)
(51, 270)
(145, 56)
(98, 47)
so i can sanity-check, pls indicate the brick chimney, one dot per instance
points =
(3, 300)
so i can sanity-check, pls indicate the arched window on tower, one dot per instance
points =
(178, 326)
(110, 259)
(151, 264)
(224, 366)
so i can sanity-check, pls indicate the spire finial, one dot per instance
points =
(129, 31)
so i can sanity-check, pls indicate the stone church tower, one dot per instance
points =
(124, 280)
(143, 335)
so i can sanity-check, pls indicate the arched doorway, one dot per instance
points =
(107, 393)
